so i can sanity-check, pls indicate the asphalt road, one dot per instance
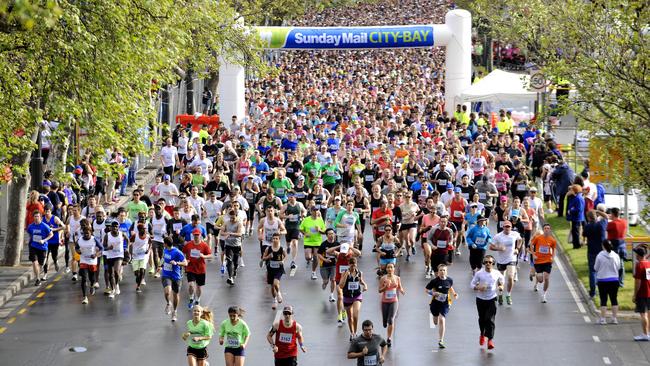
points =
(133, 329)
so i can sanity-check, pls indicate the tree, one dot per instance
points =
(602, 48)
(92, 62)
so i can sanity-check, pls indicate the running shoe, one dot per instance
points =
(427, 275)
(223, 269)
(117, 289)
(96, 285)
(481, 340)
(85, 300)
(151, 270)
(196, 302)
(344, 315)
(408, 257)
(293, 265)
(261, 264)
(229, 281)
(107, 291)
(190, 304)
(157, 275)
(544, 301)
(516, 276)
(168, 309)
(490, 344)
(37, 283)
(508, 299)
(441, 345)
(44, 278)
(279, 297)
(331, 298)
(389, 342)
(111, 295)
(67, 270)
(143, 283)
(56, 267)
(275, 304)
(413, 251)
(174, 316)
(74, 277)
(642, 338)
(530, 277)
(602, 321)
(313, 276)
(138, 290)
(614, 321)
(535, 287)
(500, 299)
(241, 262)
(457, 253)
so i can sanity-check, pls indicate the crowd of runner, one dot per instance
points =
(337, 144)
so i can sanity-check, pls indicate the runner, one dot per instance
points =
(73, 232)
(440, 238)
(486, 282)
(641, 296)
(196, 251)
(441, 291)
(100, 227)
(389, 286)
(89, 250)
(198, 335)
(429, 220)
(159, 227)
(173, 260)
(312, 227)
(350, 284)
(478, 240)
(410, 214)
(293, 213)
(232, 231)
(234, 334)
(274, 257)
(327, 259)
(388, 249)
(368, 349)
(114, 253)
(507, 244)
(348, 224)
(269, 225)
(288, 335)
(53, 244)
(543, 250)
(140, 248)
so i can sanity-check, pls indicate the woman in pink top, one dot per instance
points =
(428, 221)
(502, 180)
(389, 285)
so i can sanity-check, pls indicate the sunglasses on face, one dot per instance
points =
(286, 313)
(488, 262)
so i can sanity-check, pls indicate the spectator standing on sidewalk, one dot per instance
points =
(575, 213)
(642, 292)
(595, 231)
(616, 232)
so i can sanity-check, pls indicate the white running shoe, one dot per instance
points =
(174, 316)
(111, 295)
(117, 289)
(331, 298)
(168, 309)
(313, 276)
(544, 301)
(85, 300)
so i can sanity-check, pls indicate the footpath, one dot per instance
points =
(14, 279)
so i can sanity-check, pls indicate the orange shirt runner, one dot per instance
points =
(543, 248)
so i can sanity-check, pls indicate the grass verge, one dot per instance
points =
(578, 259)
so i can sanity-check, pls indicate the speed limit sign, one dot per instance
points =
(538, 81)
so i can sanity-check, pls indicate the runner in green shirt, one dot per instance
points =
(234, 334)
(136, 206)
(313, 169)
(312, 227)
(281, 185)
(198, 335)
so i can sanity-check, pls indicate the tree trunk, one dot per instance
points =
(189, 87)
(16, 219)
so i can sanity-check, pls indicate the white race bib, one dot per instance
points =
(441, 297)
(195, 253)
(275, 264)
(647, 274)
(37, 238)
(177, 227)
(168, 266)
(442, 182)
(232, 342)
(342, 269)
(521, 187)
(458, 214)
(391, 294)
(482, 196)
(480, 241)
(544, 249)
(353, 286)
(442, 244)
(370, 360)
(285, 337)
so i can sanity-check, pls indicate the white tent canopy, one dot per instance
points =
(499, 86)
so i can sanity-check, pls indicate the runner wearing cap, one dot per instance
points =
(196, 251)
(507, 244)
(500, 213)
(478, 239)
(542, 247)
(274, 257)
(284, 337)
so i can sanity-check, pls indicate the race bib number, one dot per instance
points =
(275, 264)
(370, 178)
(141, 251)
(157, 233)
(442, 244)
(500, 223)
(232, 342)
(168, 266)
(342, 269)
(195, 253)
(442, 182)
(647, 274)
(544, 249)
(177, 227)
(353, 286)
(293, 218)
(480, 241)
(280, 191)
(370, 360)
(285, 337)
(37, 238)
(441, 297)
(410, 178)
(458, 214)
(289, 170)
(250, 195)
(331, 173)
(243, 170)
(391, 294)
(521, 187)
(465, 195)
(349, 220)
(314, 230)
(482, 196)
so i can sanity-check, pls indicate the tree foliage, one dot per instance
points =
(93, 62)
(602, 48)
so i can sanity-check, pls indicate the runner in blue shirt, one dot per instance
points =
(39, 234)
(186, 231)
(173, 260)
(478, 239)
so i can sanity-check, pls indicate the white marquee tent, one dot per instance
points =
(499, 87)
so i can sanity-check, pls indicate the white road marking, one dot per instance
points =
(596, 339)
(587, 319)
(607, 361)
(572, 290)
